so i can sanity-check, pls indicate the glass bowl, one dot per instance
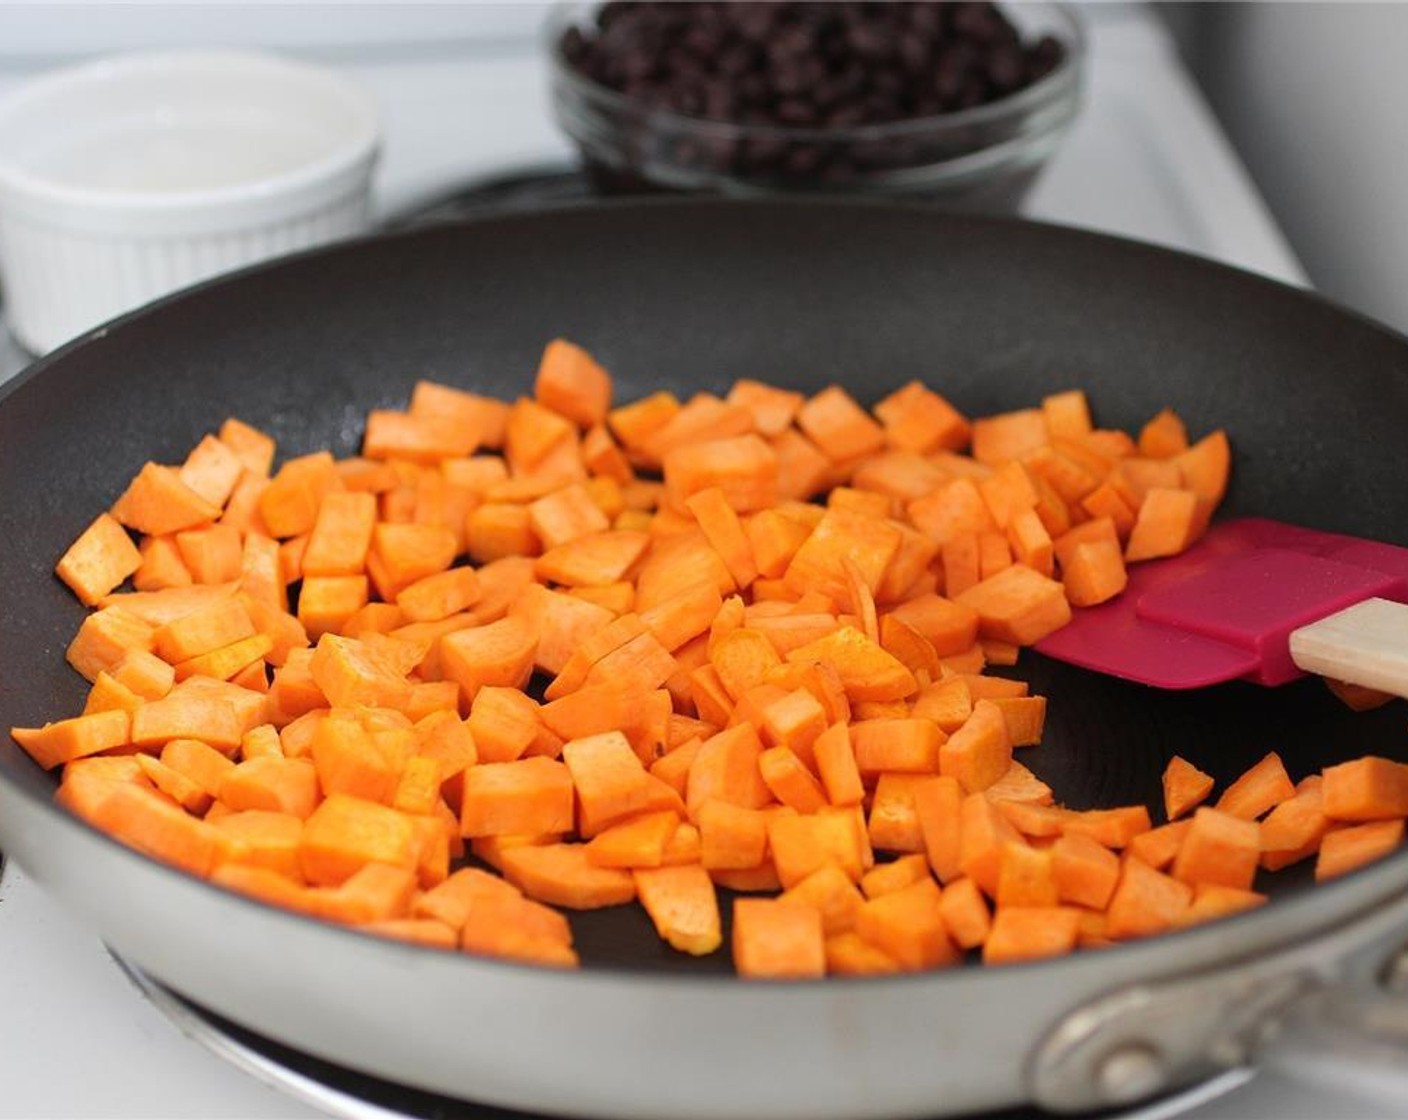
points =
(982, 159)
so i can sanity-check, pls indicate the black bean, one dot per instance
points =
(950, 70)
(720, 100)
(915, 51)
(849, 80)
(637, 66)
(1043, 58)
(680, 64)
(610, 13)
(753, 20)
(981, 23)
(973, 93)
(879, 108)
(802, 161)
(834, 48)
(869, 40)
(710, 16)
(826, 93)
(643, 89)
(573, 45)
(1004, 67)
(846, 115)
(795, 41)
(794, 111)
(887, 82)
(925, 20)
(791, 79)
(754, 88)
(618, 38)
(703, 41)
(738, 58)
(804, 77)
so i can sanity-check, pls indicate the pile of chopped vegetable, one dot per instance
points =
(641, 652)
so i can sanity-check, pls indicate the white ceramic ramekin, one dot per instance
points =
(127, 178)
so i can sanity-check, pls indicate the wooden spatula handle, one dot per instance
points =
(1366, 644)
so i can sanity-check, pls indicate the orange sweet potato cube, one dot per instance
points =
(1017, 605)
(908, 925)
(526, 797)
(979, 753)
(1219, 849)
(572, 384)
(1024, 933)
(346, 833)
(777, 940)
(744, 468)
(100, 559)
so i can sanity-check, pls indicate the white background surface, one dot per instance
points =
(1313, 94)
(1145, 161)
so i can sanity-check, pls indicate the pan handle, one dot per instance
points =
(1333, 1005)
(1352, 1036)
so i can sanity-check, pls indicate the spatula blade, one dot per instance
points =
(1125, 646)
(1226, 608)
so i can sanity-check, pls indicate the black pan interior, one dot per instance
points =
(689, 296)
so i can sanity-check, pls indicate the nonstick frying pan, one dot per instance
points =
(687, 296)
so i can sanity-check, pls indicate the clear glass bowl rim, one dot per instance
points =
(1061, 82)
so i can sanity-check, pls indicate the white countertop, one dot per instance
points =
(1145, 161)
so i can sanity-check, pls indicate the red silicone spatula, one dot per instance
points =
(1254, 599)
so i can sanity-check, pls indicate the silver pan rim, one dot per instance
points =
(347, 1105)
